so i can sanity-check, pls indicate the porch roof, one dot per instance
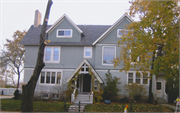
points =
(92, 69)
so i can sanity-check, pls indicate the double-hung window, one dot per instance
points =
(109, 52)
(52, 54)
(64, 33)
(50, 77)
(120, 32)
(87, 52)
(137, 77)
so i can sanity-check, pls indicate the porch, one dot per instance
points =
(84, 80)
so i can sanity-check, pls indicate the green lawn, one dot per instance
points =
(120, 108)
(38, 106)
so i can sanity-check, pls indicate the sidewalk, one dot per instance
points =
(171, 106)
(6, 96)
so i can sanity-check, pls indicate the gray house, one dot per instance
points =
(80, 54)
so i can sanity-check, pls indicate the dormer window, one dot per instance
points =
(120, 32)
(64, 33)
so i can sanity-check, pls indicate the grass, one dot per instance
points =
(114, 107)
(38, 106)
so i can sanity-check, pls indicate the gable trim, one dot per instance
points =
(112, 27)
(60, 20)
(92, 69)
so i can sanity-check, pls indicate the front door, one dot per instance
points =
(159, 89)
(86, 83)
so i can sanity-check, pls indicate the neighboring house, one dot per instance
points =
(80, 47)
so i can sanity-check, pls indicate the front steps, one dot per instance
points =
(161, 101)
(83, 98)
(75, 108)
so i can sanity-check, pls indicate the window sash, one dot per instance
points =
(108, 55)
(50, 77)
(64, 33)
(87, 52)
(52, 54)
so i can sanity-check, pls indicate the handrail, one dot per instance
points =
(73, 96)
(165, 96)
(91, 97)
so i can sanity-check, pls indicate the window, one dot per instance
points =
(84, 69)
(158, 86)
(120, 32)
(145, 78)
(52, 54)
(87, 52)
(50, 77)
(108, 54)
(64, 33)
(137, 77)
(130, 78)
(45, 96)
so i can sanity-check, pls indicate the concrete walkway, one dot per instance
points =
(6, 96)
(171, 106)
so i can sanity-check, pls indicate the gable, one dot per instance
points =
(111, 37)
(63, 25)
(112, 31)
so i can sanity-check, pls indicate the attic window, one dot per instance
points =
(64, 33)
(120, 32)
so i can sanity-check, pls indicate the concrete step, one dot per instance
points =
(161, 101)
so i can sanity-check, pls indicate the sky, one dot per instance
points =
(19, 14)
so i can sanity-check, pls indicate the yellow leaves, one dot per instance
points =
(46, 41)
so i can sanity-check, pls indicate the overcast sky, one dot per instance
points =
(19, 14)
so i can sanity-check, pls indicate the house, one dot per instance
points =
(76, 50)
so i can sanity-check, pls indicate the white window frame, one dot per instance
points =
(64, 35)
(52, 53)
(134, 77)
(119, 36)
(51, 70)
(85, 52)
(103, 54)
(131, 60)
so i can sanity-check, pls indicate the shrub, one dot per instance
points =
(111, 90)
(16, 94)
(124, 100)
(97, 96)
(135, 90)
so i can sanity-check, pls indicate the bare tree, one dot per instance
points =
(12, 56)
(28, 89)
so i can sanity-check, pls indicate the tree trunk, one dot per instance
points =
(18, 79)
(28, 89)
(151, 97)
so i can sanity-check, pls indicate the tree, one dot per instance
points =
(28, 89)
(111, 90)
(12, 56)
(153, 40)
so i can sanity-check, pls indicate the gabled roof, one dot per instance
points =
(112, 27)
(92, 69)
(60, 20)
(90, 34)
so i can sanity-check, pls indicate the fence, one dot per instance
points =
(8, 91)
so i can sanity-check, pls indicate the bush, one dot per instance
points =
(97, 96)
(111, 90)
(16, 94)
(135, 90)
(124, 100)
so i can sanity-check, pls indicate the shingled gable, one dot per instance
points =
(112, 27)
(92, 69)
(60, 20)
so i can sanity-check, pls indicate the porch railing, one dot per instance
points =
(165, 97)
(91, 97)
(73, 96)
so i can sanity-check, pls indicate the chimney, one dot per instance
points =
(37, 19)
